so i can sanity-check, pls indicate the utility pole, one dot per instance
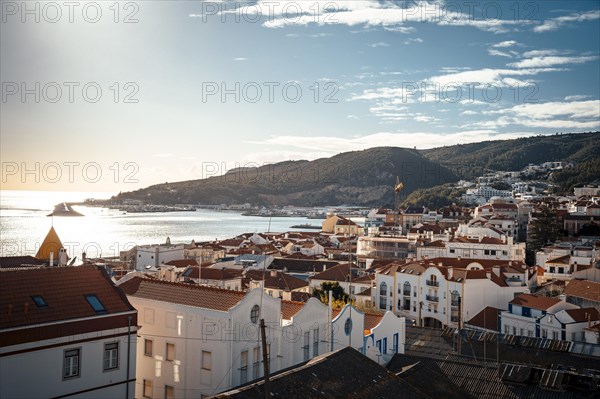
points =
(265, 359)
(459, 322)
(128, 355)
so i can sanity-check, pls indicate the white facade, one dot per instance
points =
(480, 248)
(520, 320)
(378, 346)
(37, 369)
(431, 297)
(198, 352)
(155, 255)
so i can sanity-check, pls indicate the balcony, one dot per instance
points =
(406, 293)
(454, 302)
(432, 283)
(454, 319)
(432, 298)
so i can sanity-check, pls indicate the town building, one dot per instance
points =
(65, 332)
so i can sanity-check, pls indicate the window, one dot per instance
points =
(544, 333)
(170, 352)
(256, 364)
(147, 389)
(39, 301)
(244, 367)
(514, 330)
(95, 303)
(254, 313)
(316, 342)
(385, 345)
(555, 335)
(306, 346)
(71, 368)
(348, 326)
(206, 360)
(148, 347)
(383, 289)
(506, 329)
(169, 392)
(111, 356)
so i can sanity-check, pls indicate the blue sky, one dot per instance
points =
(192, 88)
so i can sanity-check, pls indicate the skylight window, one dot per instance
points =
(188, 272)
(95, 303)
(39, 301)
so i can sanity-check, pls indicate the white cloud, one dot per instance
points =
(549, 61)
(499, 53)
(240, 59)
(576, 97)
(391, 16)
(507, 43)
(575, 115)
(556, 23)
(540, 53)
(379, 44)
(334, 145)
(468, 112)
(415, 40)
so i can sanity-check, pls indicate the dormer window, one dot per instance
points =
(95, 303)
(39, 301)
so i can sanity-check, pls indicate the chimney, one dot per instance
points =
(562, 297)
(496, 270)
(273, 273)
(324, 267)
(51, 262)
(450, 272)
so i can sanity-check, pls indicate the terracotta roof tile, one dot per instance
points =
(583, 314)
(584, 289)
(487, 318)
(182, 262)
(62, 288)
(371, 320)
(289, 309)
(535, 301)
(185, 294)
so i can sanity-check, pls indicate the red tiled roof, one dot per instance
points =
(371, 320)
(563, 260)
(584, 289)
(185, 294)
(336, 273)
(63, 289)
(535, 301)
(280, 280)
(487, 318)
(209, 273)
(583, 314)
(289, 309)
(182, 262)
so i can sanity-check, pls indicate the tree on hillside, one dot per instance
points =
(543, 230)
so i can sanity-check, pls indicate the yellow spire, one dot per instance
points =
(51, 244)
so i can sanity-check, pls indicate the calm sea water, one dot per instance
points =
(105, 232)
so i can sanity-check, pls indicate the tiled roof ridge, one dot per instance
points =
(186, 285)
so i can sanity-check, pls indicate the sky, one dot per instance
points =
(104, 96)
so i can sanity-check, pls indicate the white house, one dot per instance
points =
(525, 312)
(197, 341)
(157, 254)
(65, 332)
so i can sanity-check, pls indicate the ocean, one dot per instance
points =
(106, 232)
